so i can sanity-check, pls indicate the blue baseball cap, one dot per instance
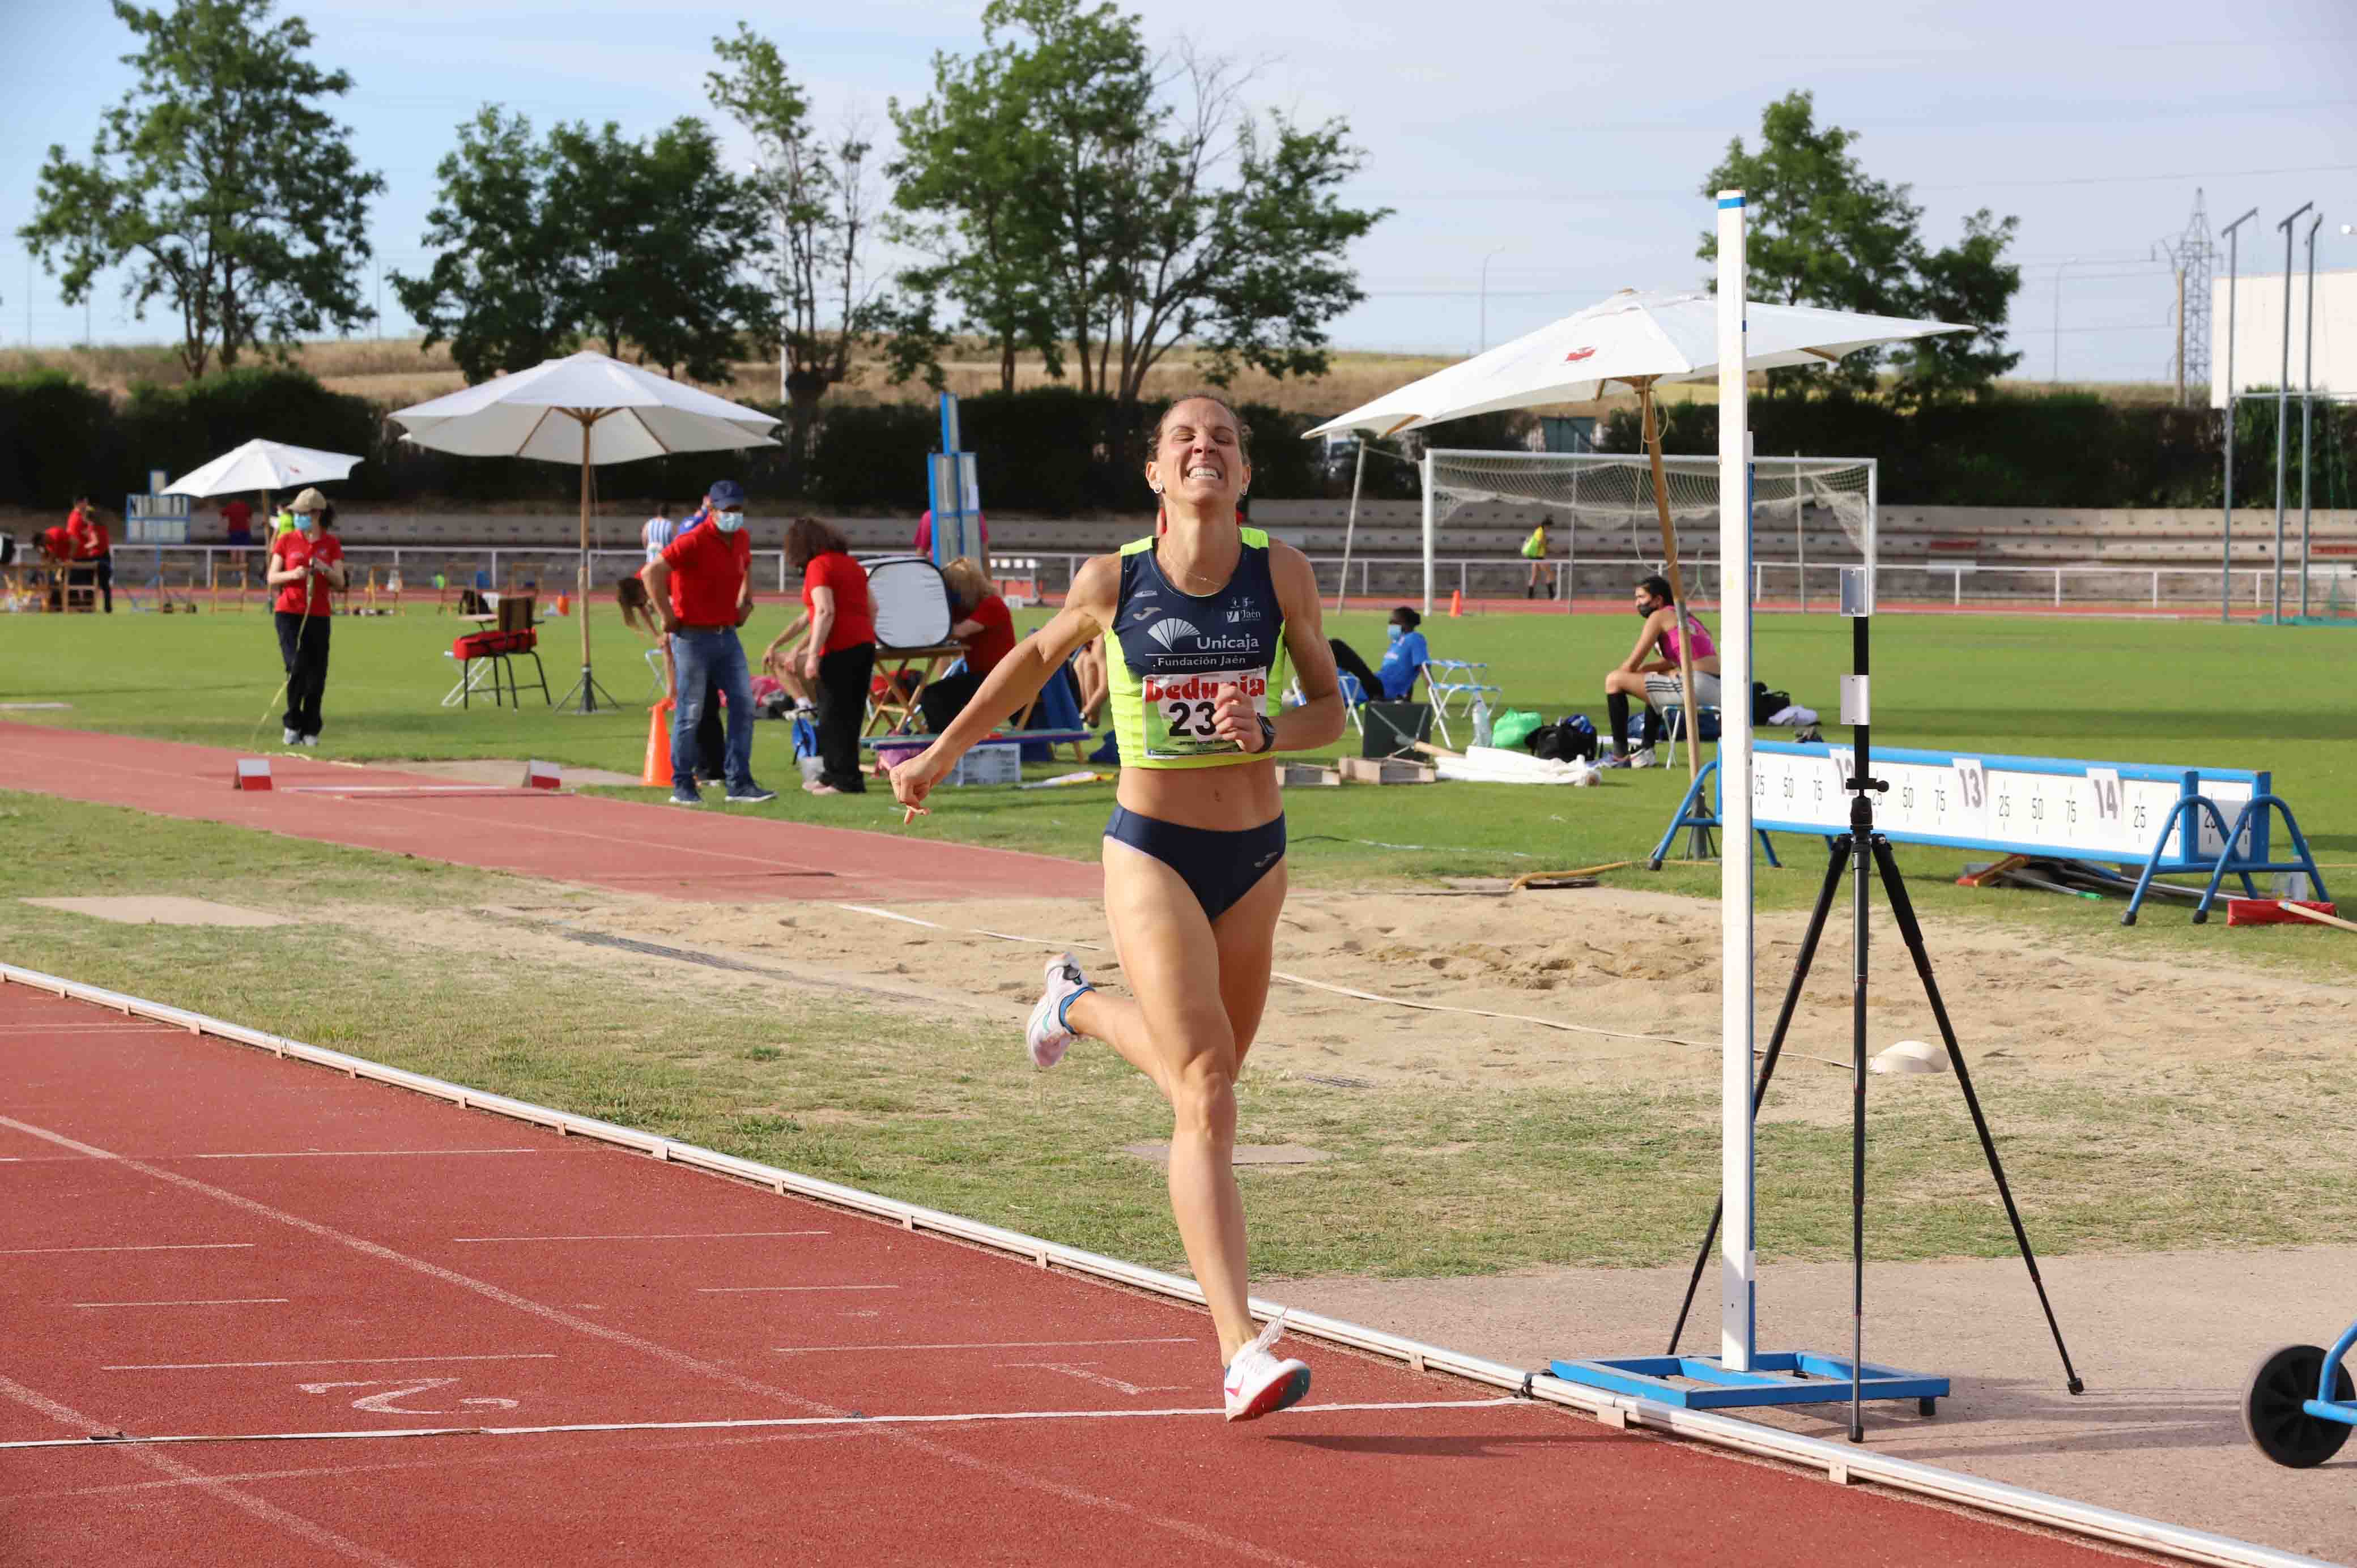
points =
(726, 493)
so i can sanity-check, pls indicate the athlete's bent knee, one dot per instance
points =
(1203, 1101)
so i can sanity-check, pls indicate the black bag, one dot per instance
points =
(1766, 704)
(1564, 742)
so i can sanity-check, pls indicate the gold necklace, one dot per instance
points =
(1188, 576)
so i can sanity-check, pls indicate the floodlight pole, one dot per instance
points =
(2283, 412)
(1738, 1271)
(2306, 405)
(2226, 548)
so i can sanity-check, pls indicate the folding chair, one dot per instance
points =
(1706, 720)
(494, 652)
(1452, 686)
(1354, 695)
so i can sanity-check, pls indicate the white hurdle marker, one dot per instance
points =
(253, 773)
(542, 775)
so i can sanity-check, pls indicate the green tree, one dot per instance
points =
(658, 237)
(497, 291)
(817, 191)
(641, 245)
(222, 180)
(968, 155)
(1823, 232)
(1133, 198)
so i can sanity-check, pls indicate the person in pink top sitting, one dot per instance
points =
(1651, 674)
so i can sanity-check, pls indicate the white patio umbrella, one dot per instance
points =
(266, 467)
(590, 410)
(1639, 340)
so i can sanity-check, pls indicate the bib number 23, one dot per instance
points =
(1190, 721)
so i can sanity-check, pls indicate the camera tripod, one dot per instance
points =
(1854, 851)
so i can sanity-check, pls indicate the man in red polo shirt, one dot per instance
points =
(702, 583)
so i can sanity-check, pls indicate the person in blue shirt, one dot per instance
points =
(1404, 661)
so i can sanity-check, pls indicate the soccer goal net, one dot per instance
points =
(1810, 516)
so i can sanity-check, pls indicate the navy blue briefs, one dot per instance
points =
(1219, 868)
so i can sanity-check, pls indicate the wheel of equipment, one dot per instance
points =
(2283, 1382)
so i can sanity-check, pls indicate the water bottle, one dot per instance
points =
(1480, 721)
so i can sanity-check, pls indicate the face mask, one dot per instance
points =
(309, 522)
(727, 521)
(1392, 634)
(1644, 610)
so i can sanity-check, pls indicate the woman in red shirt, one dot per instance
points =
(837, 659)
(307, 565)
(985, 626)
(93, 549)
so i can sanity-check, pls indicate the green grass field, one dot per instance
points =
(2110, 690)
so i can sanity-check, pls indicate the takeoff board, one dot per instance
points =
(2021, 805)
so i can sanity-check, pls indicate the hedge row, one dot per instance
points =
(2064, 449)
(1057, 451)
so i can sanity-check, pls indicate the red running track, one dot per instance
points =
(200, 1239)
(705, 854)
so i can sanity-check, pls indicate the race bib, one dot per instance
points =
(1178, 711)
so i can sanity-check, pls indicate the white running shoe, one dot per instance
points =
(294, 737)
(1046, 1033)
(1260, 1381)
(1643, 758)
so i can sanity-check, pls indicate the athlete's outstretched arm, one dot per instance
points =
(1016, 680)
(1319, 720)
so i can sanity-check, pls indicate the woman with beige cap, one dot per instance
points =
(307, 565)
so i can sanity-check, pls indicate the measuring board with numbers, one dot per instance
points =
(2022, 805)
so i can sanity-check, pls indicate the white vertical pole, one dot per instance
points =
(1799, 536)
(1425, 467)
(1351, 529)
(1737, 1273)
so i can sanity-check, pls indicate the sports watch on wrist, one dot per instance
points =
(1267, 735)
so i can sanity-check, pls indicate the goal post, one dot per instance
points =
(1810, 516)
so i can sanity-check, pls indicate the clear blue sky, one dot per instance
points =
(1571, 141)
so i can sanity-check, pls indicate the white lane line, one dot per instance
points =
(1008, 1474)
(339, 1153)
(329, 1362)
(151, 1247)
(654, 1236)
(224, 1301)
(271, 1513)
(74, 1028)
(981, 1345)
(756, 1290)
(757, 1423)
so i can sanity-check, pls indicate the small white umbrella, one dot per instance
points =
(264, 466)
(585, 409)
(1638, 340)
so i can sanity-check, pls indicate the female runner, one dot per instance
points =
(1194, 857)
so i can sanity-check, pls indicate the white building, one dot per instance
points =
(2259, 333)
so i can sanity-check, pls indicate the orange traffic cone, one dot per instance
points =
(1455, 601)
(656, 771)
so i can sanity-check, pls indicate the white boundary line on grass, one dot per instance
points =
(1840, 1462)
